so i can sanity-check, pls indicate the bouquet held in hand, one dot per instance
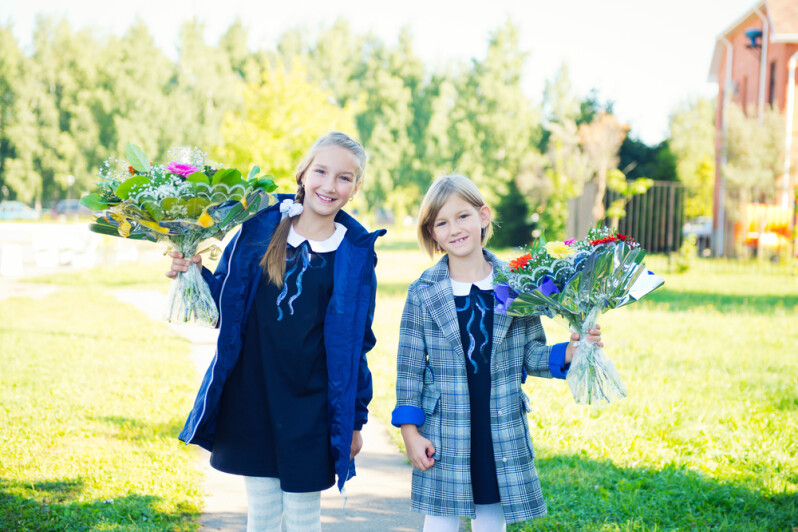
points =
(184, 202)
(576, 280)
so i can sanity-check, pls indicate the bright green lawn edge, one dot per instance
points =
(93, 395)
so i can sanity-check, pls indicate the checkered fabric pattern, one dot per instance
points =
(431, 376)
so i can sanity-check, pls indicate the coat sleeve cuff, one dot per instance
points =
(557, 365)
(404, 415)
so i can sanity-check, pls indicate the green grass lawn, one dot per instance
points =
(92, 395)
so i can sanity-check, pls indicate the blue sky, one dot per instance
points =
(646, 55)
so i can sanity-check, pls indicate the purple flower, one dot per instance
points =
(182, 169)
(504, 297)
(547, 287)
(569, 241)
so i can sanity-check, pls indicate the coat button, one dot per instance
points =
(500, 412)
(504, 460)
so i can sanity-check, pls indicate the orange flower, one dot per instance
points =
(131, 170)
(520, 262)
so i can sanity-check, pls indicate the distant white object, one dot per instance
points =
(11, 260)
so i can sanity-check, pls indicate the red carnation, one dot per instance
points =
(605, 240)
(520, 262)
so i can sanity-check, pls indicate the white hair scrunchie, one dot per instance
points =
(290, 208)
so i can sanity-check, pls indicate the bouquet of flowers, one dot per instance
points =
(184, 202)
(576, 280)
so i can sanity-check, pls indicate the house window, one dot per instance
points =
(772, 87)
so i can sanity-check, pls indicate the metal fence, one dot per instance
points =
(655, 219)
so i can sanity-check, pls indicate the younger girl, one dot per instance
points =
(460, 367)
(284, 400)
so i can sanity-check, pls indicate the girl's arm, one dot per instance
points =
(410, 365)
(541, 360)
(410, 368)
(214, 280)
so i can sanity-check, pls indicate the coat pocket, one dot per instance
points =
(526, 407)
(431, 429)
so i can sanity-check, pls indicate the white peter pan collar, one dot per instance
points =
(463, 289)
(319, 246)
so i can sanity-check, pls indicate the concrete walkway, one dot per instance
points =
(377, 499)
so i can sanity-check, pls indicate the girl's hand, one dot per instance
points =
(419, 448)
(179, 264)
(357, 444)
(594, 335)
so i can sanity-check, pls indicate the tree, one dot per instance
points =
(560, 104)
(514, 229)
(203, 88)
(627, 188)
(591, 107)
(559, 176)
(692, 142)
(282, 114)
(754, 153)
(494, 128)
(131, 103)
(13, 80)
(62, 134)
(601, 139)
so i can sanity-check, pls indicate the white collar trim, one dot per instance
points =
(319, 246)
(463, 289)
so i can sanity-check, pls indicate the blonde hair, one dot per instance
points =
(440, 191)
(273, 261)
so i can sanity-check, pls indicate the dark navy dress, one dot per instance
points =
(273, 412)
(475, 314)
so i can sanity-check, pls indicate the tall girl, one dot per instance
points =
(459, 372)
(285, 398)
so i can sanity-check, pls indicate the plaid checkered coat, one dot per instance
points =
(431, 376)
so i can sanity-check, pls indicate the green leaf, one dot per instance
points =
(234, 211)
(228, 176)
(137, 158)
(93, 202)
(266, 183)
(129, 186)
(255, 171)
(198, 177)
(155, 210)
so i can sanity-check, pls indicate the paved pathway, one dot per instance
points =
(377, 499)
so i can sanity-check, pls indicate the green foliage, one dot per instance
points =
(618, 183)
(561, 176)
(692, 130)
(637, 159)
(753, 156)
(512, 220)
(681, 260)
(601, 140)
(281, 116)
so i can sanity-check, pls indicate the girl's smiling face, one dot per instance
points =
(458, 227)
(330, 181)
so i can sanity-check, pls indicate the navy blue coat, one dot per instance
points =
(347, 329)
